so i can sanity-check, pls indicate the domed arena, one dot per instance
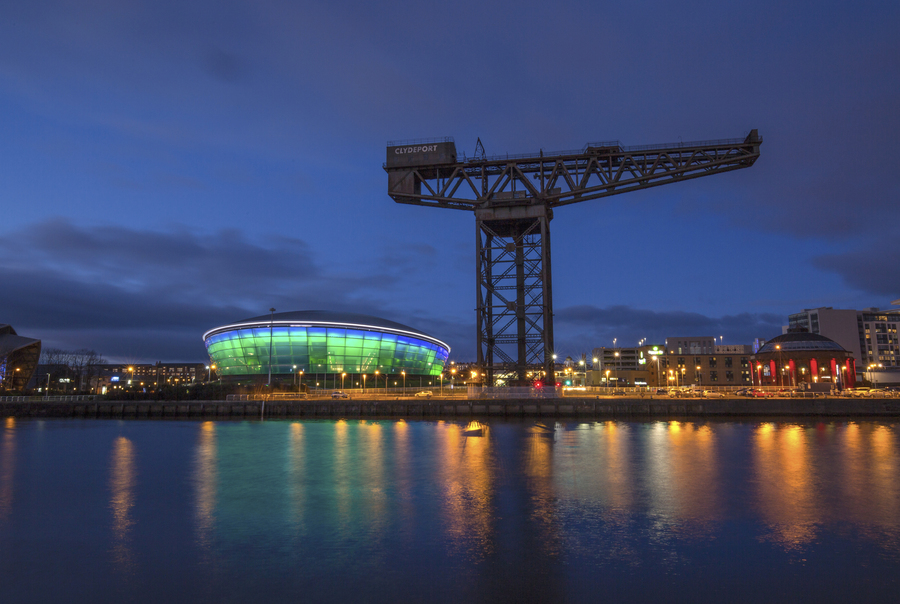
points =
(796, 358)
(324, 349)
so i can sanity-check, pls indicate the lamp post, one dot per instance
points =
(780, 365)
(343, 375)
(364, 383)
(271, 325)
(130, 383)
(376, 381)
(616, 367)
(403, 373)
(699, 376)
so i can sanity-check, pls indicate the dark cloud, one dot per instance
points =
(578, 329)
(874, 267)
(131, 293)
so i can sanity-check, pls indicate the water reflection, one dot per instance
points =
(206, 478)
(683, 476)
(375, 503)
(297, 474)
(541, 479)
(786, 484)
(418, 511)
(868, 469)
(121, 486)
(467, 483)
(7, 467)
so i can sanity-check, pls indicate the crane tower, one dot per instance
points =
(513, 198)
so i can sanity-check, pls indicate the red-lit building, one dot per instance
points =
(797, 358)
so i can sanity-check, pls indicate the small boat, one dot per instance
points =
(539, 428)
(474, 429)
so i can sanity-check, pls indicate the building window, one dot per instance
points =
(744, 362)
(727, 362)
(712, 361)
(713, 376)
(729, 376)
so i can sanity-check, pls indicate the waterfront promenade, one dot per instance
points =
(436, 407)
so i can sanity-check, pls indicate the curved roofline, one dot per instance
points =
(795, 340)
(364, 322)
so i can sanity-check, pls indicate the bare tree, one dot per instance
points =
(80, 365)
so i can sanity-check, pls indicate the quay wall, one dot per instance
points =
(567, 407)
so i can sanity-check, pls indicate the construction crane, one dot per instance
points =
(513, 198)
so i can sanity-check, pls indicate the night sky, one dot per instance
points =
(169, 167)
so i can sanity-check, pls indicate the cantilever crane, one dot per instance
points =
(513, 197)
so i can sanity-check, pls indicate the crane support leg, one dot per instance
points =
(514, 298)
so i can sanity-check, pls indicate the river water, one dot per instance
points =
(408, 511)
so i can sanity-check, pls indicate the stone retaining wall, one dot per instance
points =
(435, 408)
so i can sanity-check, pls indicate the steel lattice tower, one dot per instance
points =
(513, 198)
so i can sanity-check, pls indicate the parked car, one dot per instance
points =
(424, 394)
(661, 391)
(339, 394)
(712, 394)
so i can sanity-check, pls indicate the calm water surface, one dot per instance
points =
(396, 511)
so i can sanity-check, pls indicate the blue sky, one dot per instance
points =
(167, 167)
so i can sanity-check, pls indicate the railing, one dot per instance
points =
(421, 141)
(57, 398)
(725, 142)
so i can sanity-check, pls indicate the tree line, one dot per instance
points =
(79, 367)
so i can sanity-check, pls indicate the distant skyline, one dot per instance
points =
(166, 168)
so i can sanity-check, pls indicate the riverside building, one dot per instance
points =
(870, 335)
(325, 349)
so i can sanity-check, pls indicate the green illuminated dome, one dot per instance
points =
(318, 342)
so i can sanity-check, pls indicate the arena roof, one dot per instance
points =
(800, 341)
(327, 318)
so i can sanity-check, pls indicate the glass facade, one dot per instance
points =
(244, 351)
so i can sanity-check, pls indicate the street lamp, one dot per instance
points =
(271, 325)
(130, 383)
(699, 376)
(403, 373)
(364, 383)
(209, 369)
(343, 375)
(376, 381)
(780, 364)
(616, 366)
